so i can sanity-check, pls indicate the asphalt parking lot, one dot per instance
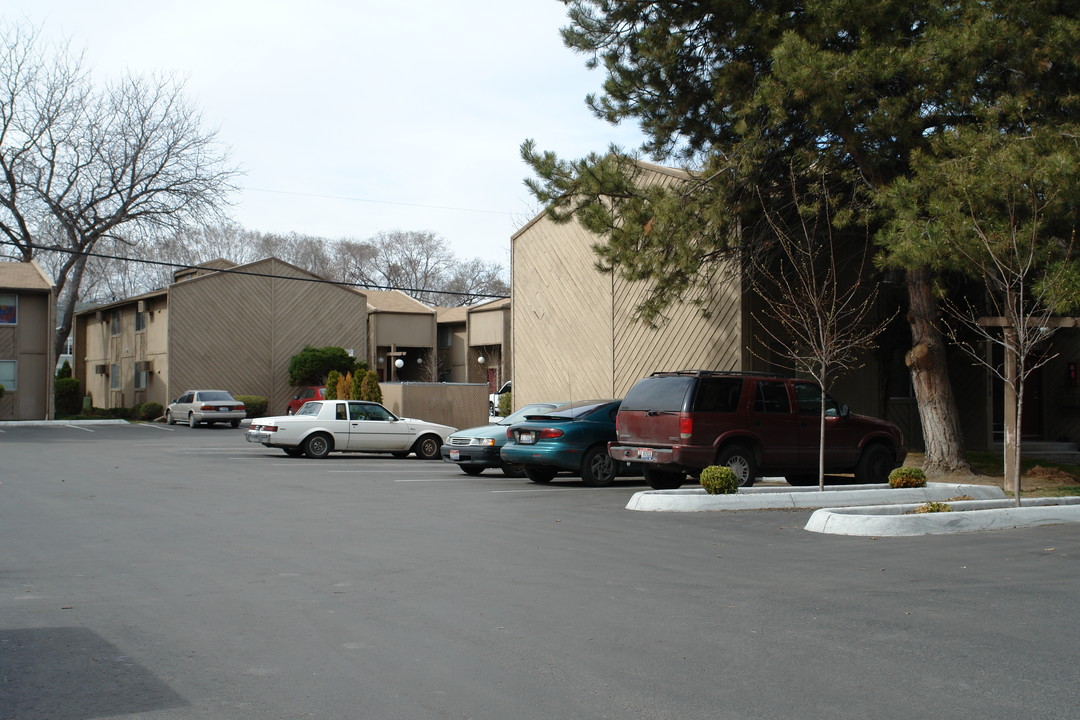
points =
(167, 572)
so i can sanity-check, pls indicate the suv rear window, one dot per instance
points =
(659, 394)
(718, 394)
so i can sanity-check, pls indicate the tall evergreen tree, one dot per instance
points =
(742, 94)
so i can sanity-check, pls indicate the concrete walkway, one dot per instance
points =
(788, 497)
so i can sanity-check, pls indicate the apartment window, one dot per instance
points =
(140, 322)
(114, 322)
(9, 309)
(114, 377)
(140, 379)
(8, 374)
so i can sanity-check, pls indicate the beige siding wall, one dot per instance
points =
(574, 334)
(29, 344)
(238, 332)
(487, 327)
(457, 405)
(404, 330)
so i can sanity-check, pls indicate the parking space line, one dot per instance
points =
(156, 427)
(448, 479)
(76, 427)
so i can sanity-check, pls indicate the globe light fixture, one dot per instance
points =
(399, 363)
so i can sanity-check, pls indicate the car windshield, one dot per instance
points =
(309, 408)
(576, 412)
(533, 409)
(215, 395)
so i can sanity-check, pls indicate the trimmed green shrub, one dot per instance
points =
(64, 371)
(907, 477)
(120, 413)
(1, 391)
(931, 507)
(332, 380)
(356, 389)
(148, 411)
(506, 404)
(254, 405)
(311, 365)
(369, 387)
(68, 395)
(719, 480)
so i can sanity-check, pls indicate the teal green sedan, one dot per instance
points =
(572, 438)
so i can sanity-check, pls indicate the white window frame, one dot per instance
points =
(14, 375)
(115, 381)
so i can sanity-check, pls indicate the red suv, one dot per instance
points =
(674, 423)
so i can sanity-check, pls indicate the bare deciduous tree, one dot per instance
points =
(819, 312)
(82, 165)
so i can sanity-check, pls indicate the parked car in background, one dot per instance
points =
(205, 406)
(476, 449)
(305, 394)
(321, 427)
(674, 423)
(493, 398)
(571, 438)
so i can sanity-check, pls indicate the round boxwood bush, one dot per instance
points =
(719, 480)
(907, 477)
(68, 396)
(254, 405)
(148, 411)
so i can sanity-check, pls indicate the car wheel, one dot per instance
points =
(597, 468)
(169, 419)
(235, 423)
(294, 451)
(491, 408)
(801, 480)
(539, 473)
(471, 469)
(513, 470)
(289, 411)
(191, 421)
(318, 446)
(663, 479)
(739, 458)
(427, 447)
(400, 454)
(874, 465)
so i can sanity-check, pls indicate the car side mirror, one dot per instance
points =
(845, 412)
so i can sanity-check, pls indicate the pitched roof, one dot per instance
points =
(394, 301)
(24, 276)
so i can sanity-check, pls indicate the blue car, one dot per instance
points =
(572, 438)
(476, 449)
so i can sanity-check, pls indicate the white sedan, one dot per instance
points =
(321, 427)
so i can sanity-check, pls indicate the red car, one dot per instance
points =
(305, 394)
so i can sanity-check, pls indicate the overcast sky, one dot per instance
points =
(352, 117)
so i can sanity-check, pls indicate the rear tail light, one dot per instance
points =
(267, 428)
(686, 427)
(549, 433)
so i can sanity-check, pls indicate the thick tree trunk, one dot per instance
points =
(73, 285)
(930, 375)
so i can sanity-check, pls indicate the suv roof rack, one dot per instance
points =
(720, 373)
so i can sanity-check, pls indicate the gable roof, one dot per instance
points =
(24, 276)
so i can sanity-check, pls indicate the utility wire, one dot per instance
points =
(182, 266)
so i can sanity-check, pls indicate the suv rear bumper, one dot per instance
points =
(674, 455)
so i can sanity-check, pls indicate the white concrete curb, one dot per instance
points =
(785, 497)
(967, 516)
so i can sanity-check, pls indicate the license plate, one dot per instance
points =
(526, 437)
(259, 437)
(644, 453)
(455, 454)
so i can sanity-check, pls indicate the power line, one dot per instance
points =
(234, 271)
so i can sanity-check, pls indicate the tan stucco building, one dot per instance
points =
(27, 341)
